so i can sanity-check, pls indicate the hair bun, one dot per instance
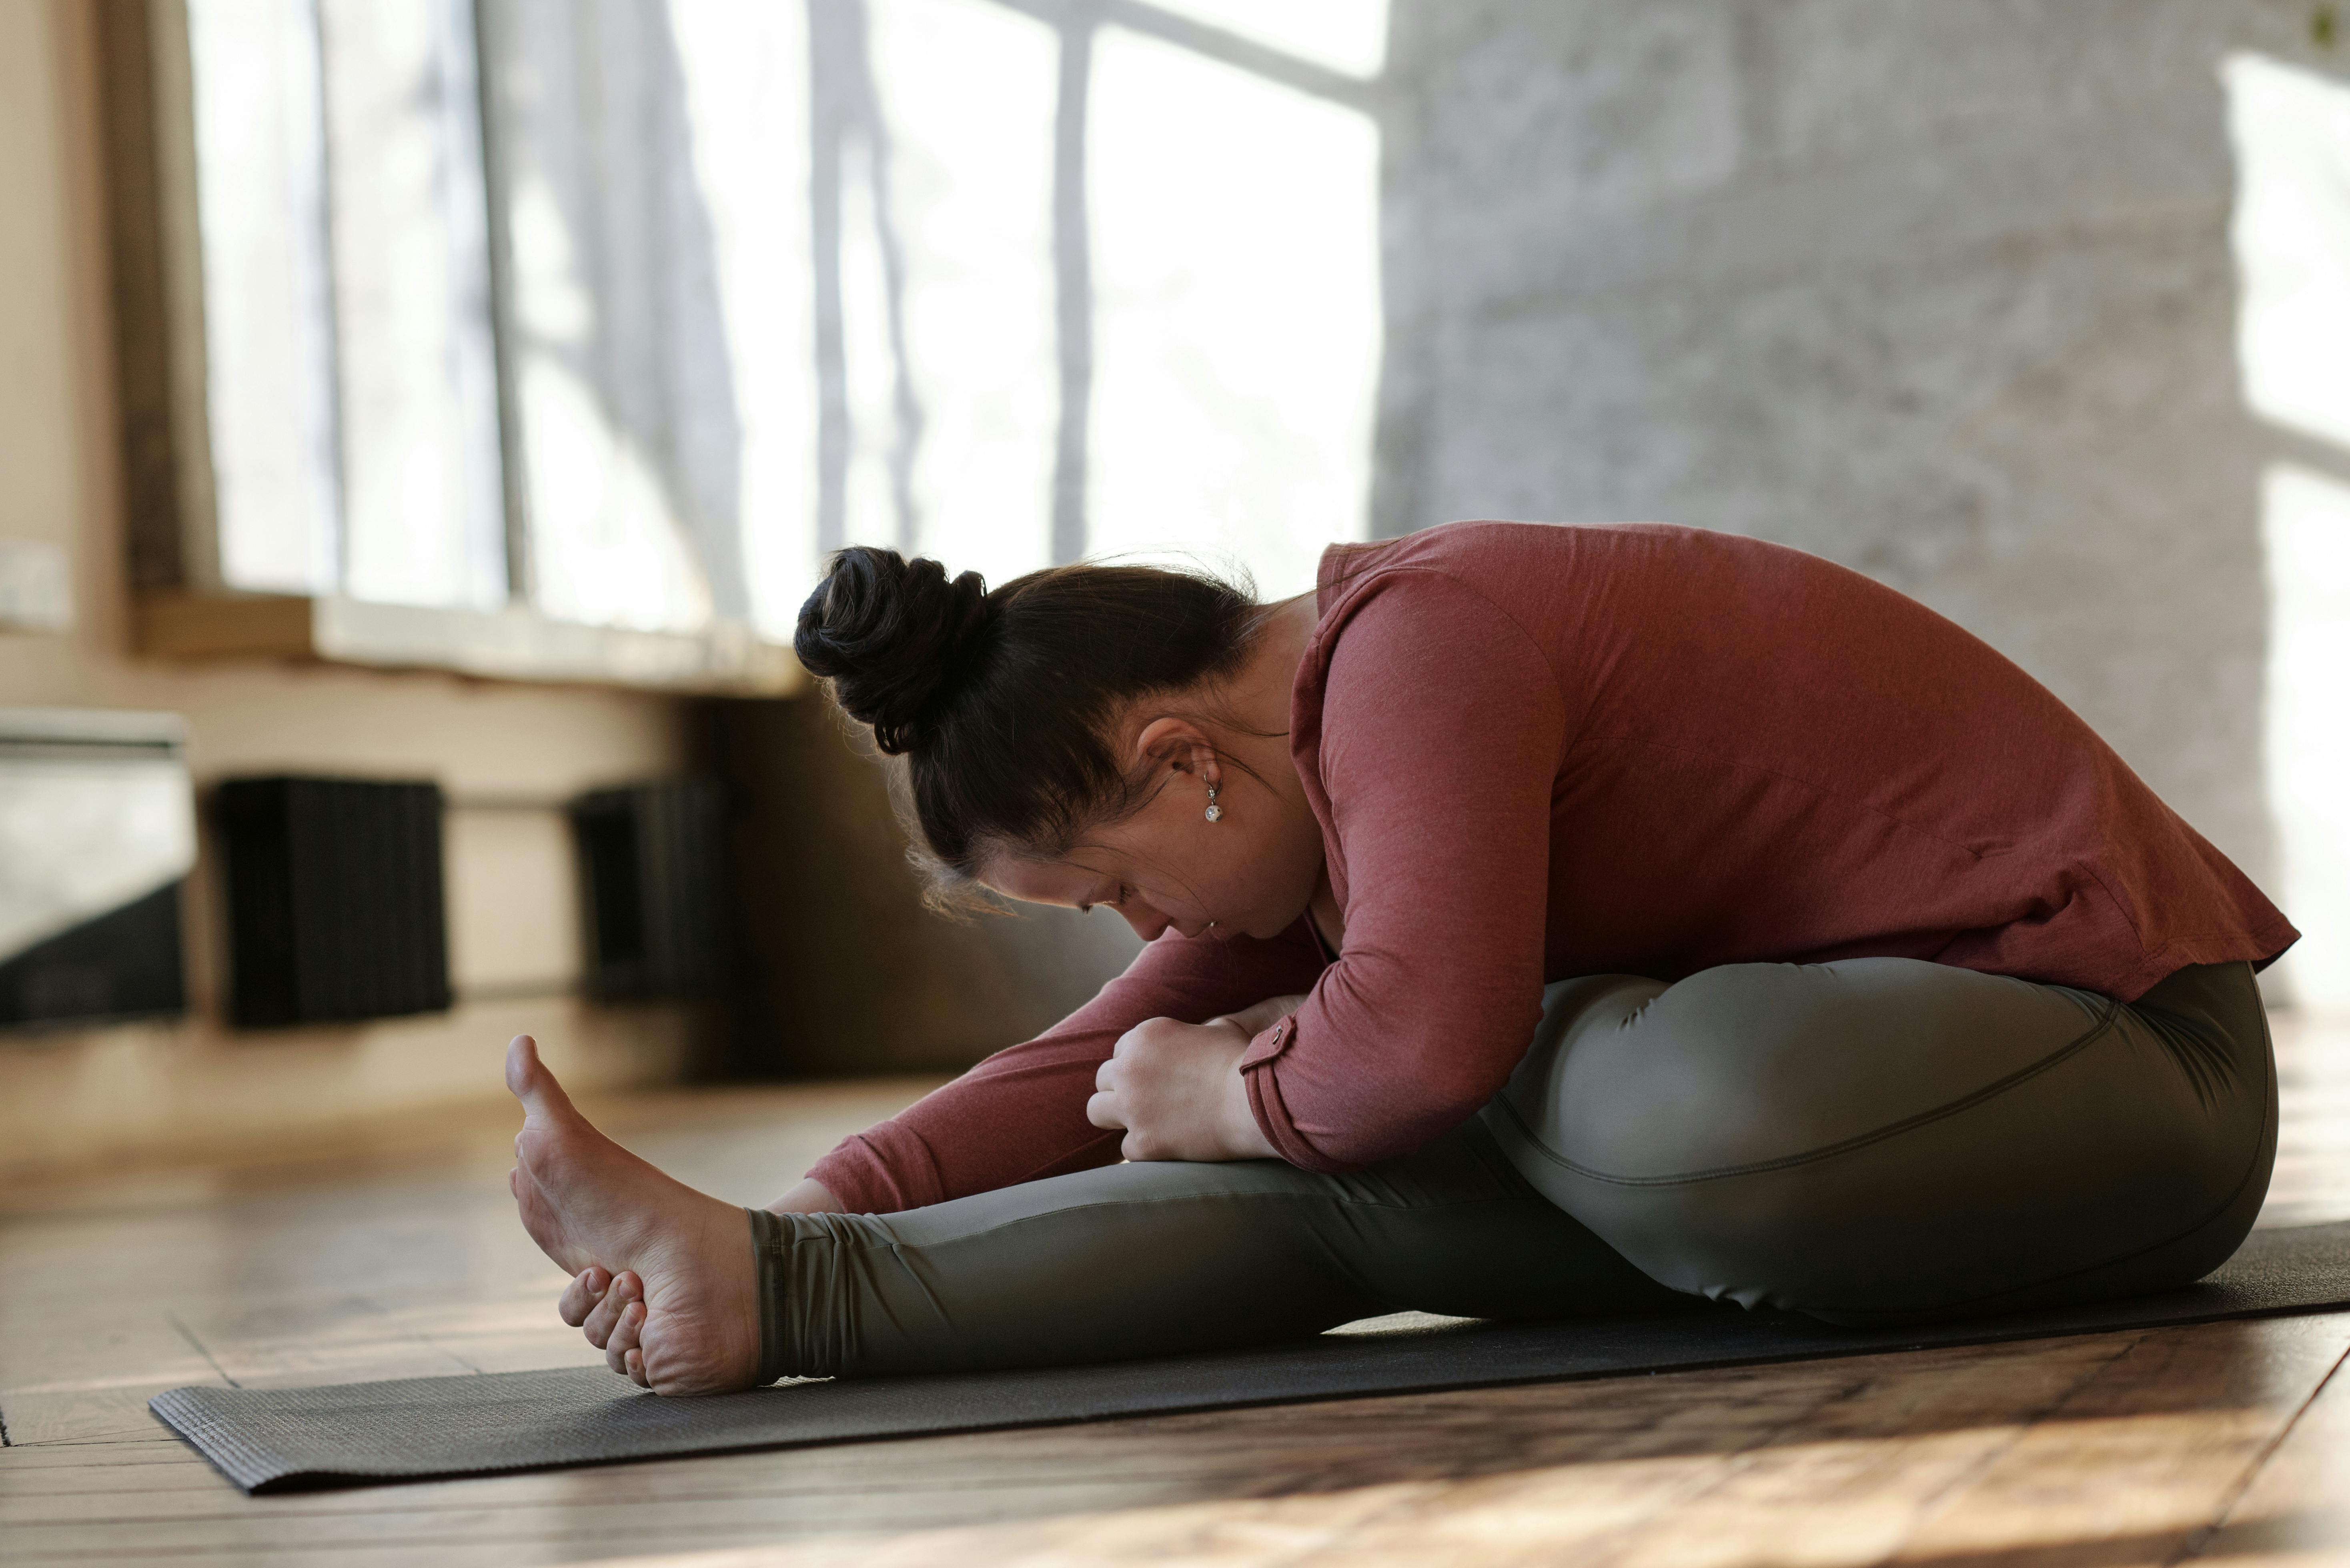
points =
(893, 635)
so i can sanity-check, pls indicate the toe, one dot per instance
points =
(623, 1343)
(527, 1079)
(626, 1290)
(580, 1297)
(522, 1066)
(637, 1369)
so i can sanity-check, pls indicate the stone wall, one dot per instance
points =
(1940, 289)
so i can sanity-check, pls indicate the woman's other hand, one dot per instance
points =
(597, 1299)
(1176, 1089)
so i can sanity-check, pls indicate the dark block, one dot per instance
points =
(335, 899)
(124, 963)
(654, 864)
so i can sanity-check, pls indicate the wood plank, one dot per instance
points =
(2102, 1449)
(754, 1139)
(86, 1376)
(1652, 1440)
(1613, 1490)
(2295, 1509)
(1333, 1447)
(2067, 1452)
(406, 1266)
(2146, 1454)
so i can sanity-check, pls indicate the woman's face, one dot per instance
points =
(1251, 872)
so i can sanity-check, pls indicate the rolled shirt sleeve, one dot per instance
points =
(1020, 1115)
(1430, 760)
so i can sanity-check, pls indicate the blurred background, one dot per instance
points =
(421, 420)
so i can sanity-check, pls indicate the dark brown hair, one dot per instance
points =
(1001, 703)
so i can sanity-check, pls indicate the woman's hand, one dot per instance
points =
(597, 1299)
(1176, 1089)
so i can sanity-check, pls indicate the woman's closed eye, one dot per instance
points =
(1124, 893)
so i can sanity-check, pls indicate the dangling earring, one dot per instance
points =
(1215, 811)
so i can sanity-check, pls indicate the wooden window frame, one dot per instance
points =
(183, 609)
(180, 607)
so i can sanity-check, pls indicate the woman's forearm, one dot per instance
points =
(1255, 1019)
(1021, 1114)
(808, 1197)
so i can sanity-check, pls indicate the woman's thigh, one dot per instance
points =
(1158, 1258)
(1884, 1138)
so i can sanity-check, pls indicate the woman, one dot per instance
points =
(1541, 921)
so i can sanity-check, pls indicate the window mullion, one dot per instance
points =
(1073, 287)
(514, 480)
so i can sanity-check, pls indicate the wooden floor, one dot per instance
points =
(396, 1255)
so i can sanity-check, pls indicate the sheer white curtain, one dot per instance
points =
(632, 309)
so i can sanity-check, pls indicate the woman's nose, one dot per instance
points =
(1148, 923)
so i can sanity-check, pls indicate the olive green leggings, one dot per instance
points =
(1868, 1140)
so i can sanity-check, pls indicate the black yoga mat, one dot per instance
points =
(270, 1439)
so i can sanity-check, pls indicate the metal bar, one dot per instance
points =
(1072, 289)
(827, 147)
(332, 325)
(512, 477)
(1215, 43)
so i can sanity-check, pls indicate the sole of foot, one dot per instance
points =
(678, 1288)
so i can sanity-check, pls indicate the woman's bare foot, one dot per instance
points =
(663, 1275)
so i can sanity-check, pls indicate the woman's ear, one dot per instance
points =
(1178, 743)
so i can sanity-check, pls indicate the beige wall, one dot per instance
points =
(102, 1093)
(849, 975)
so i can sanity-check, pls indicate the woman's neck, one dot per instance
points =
(1261, 692)
(1288, 631)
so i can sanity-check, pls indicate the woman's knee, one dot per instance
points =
(1877, 1134)
(1751, 1065)
(1637, 1079)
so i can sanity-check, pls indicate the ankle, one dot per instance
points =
(771, 1251)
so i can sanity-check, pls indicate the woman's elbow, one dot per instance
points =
(1354, 1142)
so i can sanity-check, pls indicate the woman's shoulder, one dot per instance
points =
(1488, 605)
(1465, 550)
(1450, 607)
(1454, 585)
(1504, 554)
(1468, 554)
(1434, 655)
(1542, 572)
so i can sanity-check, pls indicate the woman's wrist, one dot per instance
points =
(1242, 1138)
(807, 1197)
(1253, 1021)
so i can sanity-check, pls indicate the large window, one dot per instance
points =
(2291, 131)
(621, 312)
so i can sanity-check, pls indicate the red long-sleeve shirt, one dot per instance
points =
(1537, 751)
